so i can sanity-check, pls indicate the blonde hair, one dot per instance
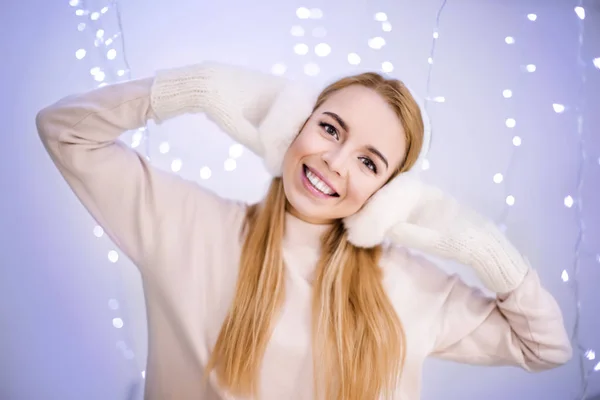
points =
(355, 330)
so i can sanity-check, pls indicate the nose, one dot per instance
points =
(336, 161)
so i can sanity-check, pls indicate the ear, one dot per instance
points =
(286, 116)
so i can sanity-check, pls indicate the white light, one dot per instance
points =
(498, 178)
(205, 173)
(79, 13)
(236, 150)
(278, 69)
(113, 304)
(113, 256)
(104, 10)
(353, 59)
(509, 40)
(297, 31)
(319, 32)
(376, 42)
(316, 13)
(531, 68)
(597, 62)
(94, 70)
(311, 69)
(81, 26)
(507, 93)
(99, 76)
(144, 374)
(301, 49)
(176, 165)
(121, 72)
(597, 367)
(164, 147)
(558, 108)
(510, 122)
(73, 3)
(430, 60)
(425, 165)
(387, 66)
(98, 231)
(517, 141)
(322, 49)
(117, 323)
(564, 276)
(531, 17)
(510, 200)
(436, 35)
(111, 54)
(99, 33)
(439, 99)
(95, 16)
(386, 26)
(80, 54)
(303, 13)
(590, 354)
(108, 41)
(568, 202)
(580, 12)
(380, 16)
(229, 164)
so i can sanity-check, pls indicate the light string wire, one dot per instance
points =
(105, 46)
(583, 353)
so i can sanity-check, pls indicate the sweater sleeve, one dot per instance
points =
(523, 328)
(135, 203)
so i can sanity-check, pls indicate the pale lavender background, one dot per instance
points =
(57, 339)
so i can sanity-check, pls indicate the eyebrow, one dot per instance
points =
(344, 126)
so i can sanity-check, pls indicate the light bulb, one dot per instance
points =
(322, 49)
(303, 13)
(353, 59)
(380, 16)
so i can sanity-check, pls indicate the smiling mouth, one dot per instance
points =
(318, 184)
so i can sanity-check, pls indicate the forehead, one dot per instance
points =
(370, 119)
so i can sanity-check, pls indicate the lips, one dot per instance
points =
(306, 169)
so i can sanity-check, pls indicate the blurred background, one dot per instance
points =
(512, 89)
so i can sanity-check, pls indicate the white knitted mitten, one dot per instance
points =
(422, 217)
(263, 112)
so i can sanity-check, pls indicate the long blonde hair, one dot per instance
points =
(356, 332)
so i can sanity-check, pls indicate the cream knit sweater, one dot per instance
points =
(185, 242)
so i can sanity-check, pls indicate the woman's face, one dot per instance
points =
(346, 151)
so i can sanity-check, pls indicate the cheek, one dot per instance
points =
(360, 190)
(306, 143)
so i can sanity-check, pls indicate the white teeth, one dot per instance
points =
(318, 184)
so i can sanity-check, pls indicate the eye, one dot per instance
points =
(370, 164)
(330, 129)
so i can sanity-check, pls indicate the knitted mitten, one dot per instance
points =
(413, 214)
(260, 111)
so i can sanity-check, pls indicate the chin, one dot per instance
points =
(307, 206)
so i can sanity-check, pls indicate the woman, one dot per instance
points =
(312, 293)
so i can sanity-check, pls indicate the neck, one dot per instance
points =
(308, 219)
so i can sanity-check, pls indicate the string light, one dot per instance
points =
(91, 24)
(584, 354)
